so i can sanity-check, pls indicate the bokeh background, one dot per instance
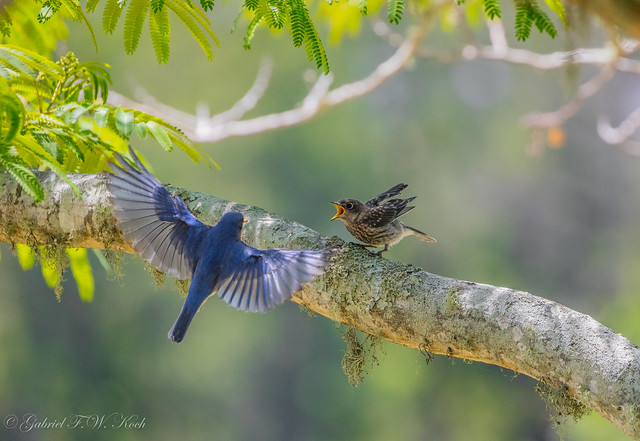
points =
(562, 224)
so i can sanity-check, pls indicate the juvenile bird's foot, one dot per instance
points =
(366, 247)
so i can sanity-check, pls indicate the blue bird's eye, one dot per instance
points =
(349, 206)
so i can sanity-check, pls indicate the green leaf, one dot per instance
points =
(133, 22)
(74, 8)
(23, 174)
(111, 14)
(193, 22)
(492, 8)
(160, 135)
(251, 30)
(124, 122)
(101, 116)
(297, 24)
(91, 5)
(12, 114)
(26, 258)
(26, 61)
(395, 9)
(160, 31)
(81, 270)
(50, 271)
(207, 5)
(140, 129)
(47, 159)
(523, 21)
(251, 5)
(557, 7)
(103, 261)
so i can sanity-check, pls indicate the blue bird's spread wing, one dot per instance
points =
(159, 224)
(267, 278)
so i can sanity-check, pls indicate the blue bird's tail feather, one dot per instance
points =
(179, 328)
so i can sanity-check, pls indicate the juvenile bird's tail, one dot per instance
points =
(179, 328)
(420, 234)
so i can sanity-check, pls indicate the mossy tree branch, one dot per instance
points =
(584, 364)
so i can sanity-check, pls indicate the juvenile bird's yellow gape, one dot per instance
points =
(378, 225)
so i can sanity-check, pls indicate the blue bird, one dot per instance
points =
(165, 233)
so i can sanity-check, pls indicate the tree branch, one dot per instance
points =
(588, 365)
(201, 128)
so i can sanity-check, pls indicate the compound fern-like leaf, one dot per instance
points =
(272, 11)
(111, 14)
(542, 21)
(251, 30)
(21, 173)
(297, 24)
(492, 8)
(157, 5)
(184, 13)
(160, 31)
(251, 5)
(395, 9)
(524, 20)
(207, 5)
(133, 23)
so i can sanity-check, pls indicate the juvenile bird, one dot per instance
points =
(170, 238)
(378, 225)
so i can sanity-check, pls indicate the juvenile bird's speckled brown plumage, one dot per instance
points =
(378, 225)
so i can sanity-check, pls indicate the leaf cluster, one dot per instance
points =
(292, 14)
(55, 116)
(135, 13)
(528, 14)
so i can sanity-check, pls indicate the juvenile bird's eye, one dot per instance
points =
(349, 206)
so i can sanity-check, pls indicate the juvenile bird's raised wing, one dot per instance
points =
(267, 278)
(159, 224)
(385, 214)
(387, 194)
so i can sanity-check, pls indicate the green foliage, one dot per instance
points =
(292, 14)
(81, 270)
(157, 11)
(19, 26)
(160, 32)
(492, 8)
(54, 115)
(395, 8)
(362, 4)
(528, 13)
(557, 7)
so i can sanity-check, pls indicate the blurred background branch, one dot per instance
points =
(204, 129)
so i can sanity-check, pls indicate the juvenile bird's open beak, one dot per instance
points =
(339, 212)
(245, 221)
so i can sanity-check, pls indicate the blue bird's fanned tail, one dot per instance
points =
(179, 328)
(268, 278)
(158, 224)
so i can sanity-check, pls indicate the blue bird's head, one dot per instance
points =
(232, 222)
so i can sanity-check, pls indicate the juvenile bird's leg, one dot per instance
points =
(365, 246)
(379, 253)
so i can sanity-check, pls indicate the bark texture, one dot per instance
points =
(582, 364)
